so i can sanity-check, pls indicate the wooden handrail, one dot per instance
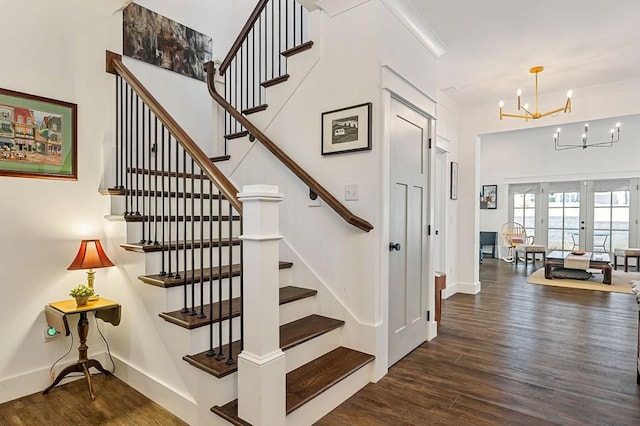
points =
(313, 185)
(248, 26)
(115, 66)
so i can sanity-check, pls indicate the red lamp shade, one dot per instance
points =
(90, 255)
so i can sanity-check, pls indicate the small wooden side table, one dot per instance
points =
(108, 311)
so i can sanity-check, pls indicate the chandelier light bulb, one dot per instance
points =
(501, 104)
(569, 93)
(618, 124)
(519, 92)
(526, 106)
(558, 129)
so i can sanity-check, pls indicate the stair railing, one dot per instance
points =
(186, 206)
(257, 58)
(314, 186)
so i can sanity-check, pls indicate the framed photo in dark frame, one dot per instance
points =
(38, 137)
(489, 199)
(346, 130)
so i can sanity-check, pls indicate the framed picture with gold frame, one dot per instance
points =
(38, 137)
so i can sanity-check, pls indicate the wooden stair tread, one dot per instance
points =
(229, 412)
(274, 81)
(188, 321)
(291, 335)
(309, 381)
(150, 248)
(206, 274)
(297, 49)
(315, 377)
(220, 158)
(236, 135)
(255, 109)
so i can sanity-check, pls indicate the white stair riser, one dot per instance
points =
(299, 309)
(312, 349)
(175, 295)
(135, 231)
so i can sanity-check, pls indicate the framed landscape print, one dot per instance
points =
(38, 136)
(346, 130)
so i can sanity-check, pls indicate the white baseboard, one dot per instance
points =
(465, 288)
(37, 380)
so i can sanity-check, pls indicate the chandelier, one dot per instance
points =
(615, 137)
(529, 115)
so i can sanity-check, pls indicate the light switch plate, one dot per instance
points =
(351, 192)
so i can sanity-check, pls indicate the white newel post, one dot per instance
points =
(261, 365)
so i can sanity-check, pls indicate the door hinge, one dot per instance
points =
(429, 143)
(428, 315)
(428, 229)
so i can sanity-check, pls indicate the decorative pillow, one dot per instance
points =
(574, 274)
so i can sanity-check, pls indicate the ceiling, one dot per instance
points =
(491, 45)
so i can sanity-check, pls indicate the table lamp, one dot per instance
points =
(90, 255)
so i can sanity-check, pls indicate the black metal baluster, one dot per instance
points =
(279, 38)
(185, 289)
(142, 173)
(211, 351)
(201, 315)
(137, 169)
(127, 131)
(148, 173)
(301, 24)
(162, 199)
(167, 222)
(155, 179)
(193, 241)
(220, 355)
(177, 216)
(119, 127)
(230, 357)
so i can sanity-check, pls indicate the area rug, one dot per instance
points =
(619, 281)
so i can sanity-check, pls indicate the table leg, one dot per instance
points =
(606, 275)
(83, 364)
(547, 271)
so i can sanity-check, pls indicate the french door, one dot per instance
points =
(589, 215)
(597, 216)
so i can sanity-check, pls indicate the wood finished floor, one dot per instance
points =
(516, 354)
(116, 404)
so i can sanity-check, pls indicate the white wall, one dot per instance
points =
(57, 50)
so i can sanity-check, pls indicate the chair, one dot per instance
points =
(518, 243)
(489, 239)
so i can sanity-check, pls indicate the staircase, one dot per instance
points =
(185, 220)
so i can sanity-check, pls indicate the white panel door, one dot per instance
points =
(409, 178)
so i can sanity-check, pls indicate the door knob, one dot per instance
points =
(394, 246)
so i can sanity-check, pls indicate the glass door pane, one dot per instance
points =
(610, 220)
(524, 211)
(564, 220)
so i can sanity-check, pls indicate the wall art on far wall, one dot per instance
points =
(159, 41)
(346, 129)
(489, 197)
(38, 136)
(453, 194)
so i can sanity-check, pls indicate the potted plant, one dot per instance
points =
(81, 293)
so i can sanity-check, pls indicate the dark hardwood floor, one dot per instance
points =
(516, 354)
(116, 404)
